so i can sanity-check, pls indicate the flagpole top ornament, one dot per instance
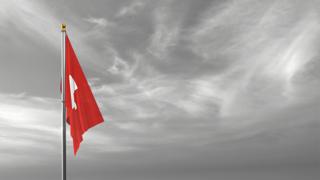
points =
(63, 27)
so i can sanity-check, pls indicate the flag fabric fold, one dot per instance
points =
(82, 111)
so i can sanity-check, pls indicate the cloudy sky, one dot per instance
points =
(189, 89)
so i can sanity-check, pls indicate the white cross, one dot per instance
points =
(73, 88)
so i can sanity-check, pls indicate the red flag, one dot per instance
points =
(82, 109)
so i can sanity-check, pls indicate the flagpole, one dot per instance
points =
(63, 96)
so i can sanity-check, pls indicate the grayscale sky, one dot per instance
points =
(189, 89)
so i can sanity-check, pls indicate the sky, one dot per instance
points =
(189, 90)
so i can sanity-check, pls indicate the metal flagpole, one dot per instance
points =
(63, 97)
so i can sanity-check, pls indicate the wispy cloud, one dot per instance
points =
(165, 34)
(32, 18)
(220, 84)
(130, 9)
(33, 125)
(100, 22)
(28, 123)
(263, 65)
(36, 20)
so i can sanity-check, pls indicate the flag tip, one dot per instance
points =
(63, 27)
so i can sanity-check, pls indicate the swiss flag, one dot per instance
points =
(82, 111)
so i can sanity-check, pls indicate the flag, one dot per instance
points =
(82, 111)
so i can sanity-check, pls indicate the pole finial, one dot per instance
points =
(63, 27)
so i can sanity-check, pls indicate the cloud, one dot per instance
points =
(32, 18)
(29, 124)
(32, 126)
(262, 64)
(119, 66)
(101, 22)
(183, 86)
(130, 9)
(165, 34)
(35, 20)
